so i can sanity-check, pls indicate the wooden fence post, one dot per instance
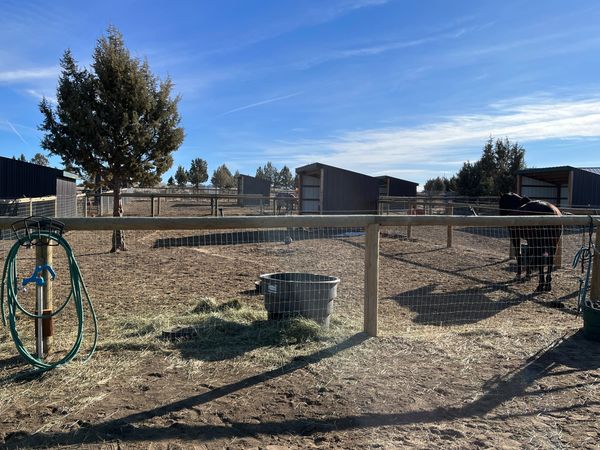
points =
(595, 283)
(411, 211)
(85, 205)
(449, 212)
(31, 207)
(158, 206)
(43, 256)
(152, 206)
(371, 279)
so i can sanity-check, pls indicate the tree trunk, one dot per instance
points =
(118, 235)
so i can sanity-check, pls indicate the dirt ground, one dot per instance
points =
(466, 357)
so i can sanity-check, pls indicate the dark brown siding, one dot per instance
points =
(343, 191)
(21, 179)
(248, 185)
(586, 189)
(398, 187)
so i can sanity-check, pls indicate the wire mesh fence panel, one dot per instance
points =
(476, 281)
(192, 205)
(202, 291)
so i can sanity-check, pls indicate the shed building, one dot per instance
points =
(326, 189)
(248, 185)
(19, 179)
(565, 186)
(396, 187)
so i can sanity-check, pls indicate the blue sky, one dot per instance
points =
(406, 88)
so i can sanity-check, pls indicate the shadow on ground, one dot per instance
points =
(256, 237)
(567, 355)
(456, 307)
(503, 233)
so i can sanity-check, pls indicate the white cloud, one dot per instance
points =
(450, 141)
(28, 74)
(40, 95)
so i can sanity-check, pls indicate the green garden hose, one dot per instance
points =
(9, 286)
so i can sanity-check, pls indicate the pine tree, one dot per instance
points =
(40, 159)
(116, 120)
(284, 178)
(181, 176)
(222, 178)
(198, 172)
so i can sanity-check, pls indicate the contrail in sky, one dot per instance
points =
(17, 133)
(264, 102)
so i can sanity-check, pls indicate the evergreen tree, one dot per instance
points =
(198, 172)
(181, 176)
(468, 180)
(116, 121)
(40, 159)
(437, 184)
(495, 172)
(222, 178)
(171, 181)
(284, 178)
(269, 172)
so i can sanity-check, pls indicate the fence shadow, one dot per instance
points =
(256, 237)
(455, 307)
(567, 355)
(124, 430)
(503, 233)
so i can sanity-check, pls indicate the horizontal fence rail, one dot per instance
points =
(197, 223)
(370, 225)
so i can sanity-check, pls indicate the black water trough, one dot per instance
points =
(292, 294)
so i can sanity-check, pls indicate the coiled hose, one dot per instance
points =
(10, 284)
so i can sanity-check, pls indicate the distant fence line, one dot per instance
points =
(427, 204)
(371, 224)
(265, 202)
(51, 205)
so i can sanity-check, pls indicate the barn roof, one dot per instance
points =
(317, 165)
(387, 177)
(594, 170)
(557, 174)
(47, 169)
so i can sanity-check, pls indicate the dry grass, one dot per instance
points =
(505, 370)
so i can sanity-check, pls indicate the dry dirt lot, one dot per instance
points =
(466, 357)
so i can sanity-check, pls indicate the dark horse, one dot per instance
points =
(541, 241)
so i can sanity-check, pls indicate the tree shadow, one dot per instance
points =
(456, 307)
(567, 355)
(255, 237)
(126, 428)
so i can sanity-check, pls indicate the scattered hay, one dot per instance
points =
(208, 305)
